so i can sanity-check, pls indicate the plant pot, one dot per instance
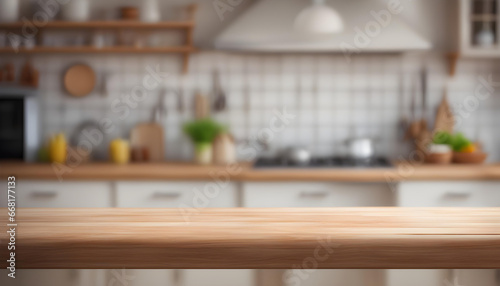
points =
(203, 153)
(439, 158)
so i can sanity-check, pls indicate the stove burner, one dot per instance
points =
(324, 162)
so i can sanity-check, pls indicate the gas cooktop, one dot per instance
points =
(324, 162)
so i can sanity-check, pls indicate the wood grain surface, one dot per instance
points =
(245, 172)
(265, 238)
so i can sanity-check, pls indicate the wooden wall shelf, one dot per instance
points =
(92, 50)
(120, 24)
(117, 25)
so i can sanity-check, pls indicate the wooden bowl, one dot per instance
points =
(469, 158)
(439, 158)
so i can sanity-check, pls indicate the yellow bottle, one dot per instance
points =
(119, 151)
(58, 149)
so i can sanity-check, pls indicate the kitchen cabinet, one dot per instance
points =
(48, 194)
(446, 194)
(44, 277)
(131, 277)
(230, 277)
(418, 277)
(315, 194)
(256, 195)
(188, 196)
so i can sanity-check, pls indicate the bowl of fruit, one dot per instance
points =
(464, 150)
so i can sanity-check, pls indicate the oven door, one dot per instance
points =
(18, 126)
(12, 128)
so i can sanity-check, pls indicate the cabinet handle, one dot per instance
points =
(454, 195)
(44, 194)
(166, 195)
(313, 194)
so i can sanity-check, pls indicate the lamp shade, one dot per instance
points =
(319, 18)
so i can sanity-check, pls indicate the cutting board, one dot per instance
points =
(149, 136)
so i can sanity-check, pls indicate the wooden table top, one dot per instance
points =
(245, 172)
(246, 238)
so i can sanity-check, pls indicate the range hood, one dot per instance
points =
(267, 26)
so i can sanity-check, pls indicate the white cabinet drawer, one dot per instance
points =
(219, 277)
(316, 194)
(50, 194)
(175, 195)
(449, 194)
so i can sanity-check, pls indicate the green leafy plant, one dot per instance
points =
(442, 137)
(203, 131)
(457, 142)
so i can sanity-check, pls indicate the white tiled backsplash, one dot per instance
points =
(331, 98)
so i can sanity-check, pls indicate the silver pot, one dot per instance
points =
(360, 148)
(297, 155)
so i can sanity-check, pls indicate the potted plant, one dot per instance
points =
(203, 132)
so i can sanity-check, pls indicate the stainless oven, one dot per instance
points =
(19, 129)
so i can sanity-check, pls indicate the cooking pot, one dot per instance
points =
(360, 148)
(297, 155)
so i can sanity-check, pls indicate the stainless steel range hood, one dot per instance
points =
(370, 26)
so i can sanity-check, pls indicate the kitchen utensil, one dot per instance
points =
(105, 85)
(79, 80)
(360, 148)
(150, 136)
(201, 106)
(403, 120)
(224, 149)
(423, 82)
(76, 10)
(180, 98)
(415, 124)
(297, 156)
(159, 111)
(219, 95)
(150, 11)
(485, 37)
(129, 13)
(445, 120)
(9, 11)
(469, 158)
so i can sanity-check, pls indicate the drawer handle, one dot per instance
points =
(457, 195)
(313, 194)
(166, 195)
(44, 194)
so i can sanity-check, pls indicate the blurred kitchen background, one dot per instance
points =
(335, 95)
(284, 83)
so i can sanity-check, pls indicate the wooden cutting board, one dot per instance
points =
(79, 80)
(149, 136)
